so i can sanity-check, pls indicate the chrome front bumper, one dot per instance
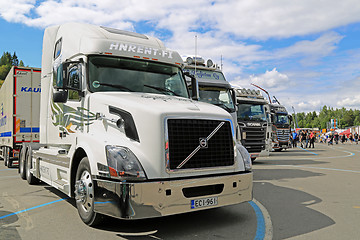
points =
(154, 199)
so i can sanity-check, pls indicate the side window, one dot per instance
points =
(57, 50)
(74, 82)
(74, 77)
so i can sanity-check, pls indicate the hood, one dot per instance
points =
(156, 104)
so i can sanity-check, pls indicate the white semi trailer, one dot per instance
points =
(19, 112)
(119, 132)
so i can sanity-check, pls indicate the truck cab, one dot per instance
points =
(281, 127)
(120, 132)
(212, 85)
(252, 118)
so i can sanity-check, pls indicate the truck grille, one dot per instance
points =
(283, 134)
(255, 139)
(184, 137)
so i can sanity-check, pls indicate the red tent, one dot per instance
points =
(346, 132)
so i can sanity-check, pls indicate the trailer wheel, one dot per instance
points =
(22, 167)
(6, 156)
(2, 151)
(84, 194)
(28, 164)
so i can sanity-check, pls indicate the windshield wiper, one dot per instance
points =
(121, 87)
(163, 90)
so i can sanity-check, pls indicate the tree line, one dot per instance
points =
(344, 118)
(8, 60)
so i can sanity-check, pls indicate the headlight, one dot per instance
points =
(245, 156)
(123, 164)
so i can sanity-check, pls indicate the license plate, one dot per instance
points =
(204, 202)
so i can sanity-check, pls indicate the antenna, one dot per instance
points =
(263, 90)
(195, 53)
(277, 100)
(221, 63)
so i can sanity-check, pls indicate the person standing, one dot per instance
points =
(307, 138)
(356, 137)
(351, 138)
(343, 138)
(294, 139)
(303, 139)
(336, 137)
(312, 139)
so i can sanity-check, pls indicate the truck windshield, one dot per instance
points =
(281, 119)
(218, 96)
(132, 75)
(251, 112)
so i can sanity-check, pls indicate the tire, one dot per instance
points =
(22, 167)
(6, 156)
(2, 150)
(84, 194)
(278, 150)
(253, 159)
(28, 164)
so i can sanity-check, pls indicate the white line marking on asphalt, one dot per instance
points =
(320, 168)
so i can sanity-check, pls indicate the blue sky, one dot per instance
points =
(305, 52)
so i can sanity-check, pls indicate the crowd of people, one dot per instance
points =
(336, 138)
(307, 138)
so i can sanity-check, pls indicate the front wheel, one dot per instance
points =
(22, 166)
(31, 179)
(84, 194)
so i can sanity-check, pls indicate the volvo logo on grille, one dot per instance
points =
(283, 132)
(203, 142)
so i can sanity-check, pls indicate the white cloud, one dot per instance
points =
(350, 102)
(248, 19)
(320, 47)
(272, 81)
(266, 19)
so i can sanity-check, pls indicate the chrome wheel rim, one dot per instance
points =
(84, 192)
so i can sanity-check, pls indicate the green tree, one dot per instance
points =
(6, 62)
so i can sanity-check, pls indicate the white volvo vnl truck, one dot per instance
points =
(119, 132)
(19, 112)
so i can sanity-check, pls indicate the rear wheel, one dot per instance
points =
(84, 194)
(6, 156)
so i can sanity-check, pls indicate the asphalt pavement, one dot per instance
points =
(298, 194)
